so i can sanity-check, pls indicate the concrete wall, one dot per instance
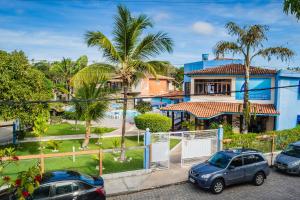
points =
(232, 98)
(288, 100)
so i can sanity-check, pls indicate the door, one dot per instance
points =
(251, 163)
(235, 172)
(42, 193)
(85, 191)
(64, 191)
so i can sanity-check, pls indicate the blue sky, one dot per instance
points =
(54, 29)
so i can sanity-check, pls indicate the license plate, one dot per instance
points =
(192, 180)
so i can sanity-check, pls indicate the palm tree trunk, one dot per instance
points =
(122, 156)
(246, 109)
(87, 133)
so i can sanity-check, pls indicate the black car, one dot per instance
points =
(67, 185)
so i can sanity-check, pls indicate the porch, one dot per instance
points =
(203, 114)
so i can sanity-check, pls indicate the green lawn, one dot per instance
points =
(69, 129)
(173, 142)
(84, 163)
(67, 145)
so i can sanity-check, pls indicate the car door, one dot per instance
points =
(85, 191)
(252, 165)
(64, 191)
(235, 171)
(42, 193)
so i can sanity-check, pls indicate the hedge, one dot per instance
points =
(257, 141)
(155, 122)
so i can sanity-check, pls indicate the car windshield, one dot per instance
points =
(292, 150)
(220, 160)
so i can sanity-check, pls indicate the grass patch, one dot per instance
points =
(84, 163)
(69, 129)
(173, 142)
(67, 145)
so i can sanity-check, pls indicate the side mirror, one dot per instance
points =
(231, 167)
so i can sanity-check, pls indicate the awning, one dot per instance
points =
(207, 110)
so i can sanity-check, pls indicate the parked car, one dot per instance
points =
(289, 159)
(65, 185)
(230, 167)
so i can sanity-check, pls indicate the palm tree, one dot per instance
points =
(90, 84)
(130, 53)
(249, 44)
(292, 7)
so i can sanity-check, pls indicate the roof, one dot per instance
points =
(208, 110)
(233, 69)
(161, 77)
(173, 95)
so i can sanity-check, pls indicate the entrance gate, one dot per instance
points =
(160, 150)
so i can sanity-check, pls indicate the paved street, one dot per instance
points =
(277, 187)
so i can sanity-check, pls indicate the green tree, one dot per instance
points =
(19, 81)
(292, 7)
(143, 106)
(130, 51)
(249, 44)
(90, 83)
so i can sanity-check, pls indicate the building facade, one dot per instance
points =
(215, 94)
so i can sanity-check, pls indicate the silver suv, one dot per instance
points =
(230, 167)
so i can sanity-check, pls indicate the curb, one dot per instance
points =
(146, 189)
(126, 174)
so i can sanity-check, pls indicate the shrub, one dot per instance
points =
(155, 122)
(143, 106)
(53, 144)
(55, 119)
(69, 115)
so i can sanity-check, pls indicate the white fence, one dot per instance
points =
(160, 150)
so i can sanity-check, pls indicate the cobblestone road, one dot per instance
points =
(277, 187)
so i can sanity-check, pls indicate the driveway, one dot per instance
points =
(278, 186)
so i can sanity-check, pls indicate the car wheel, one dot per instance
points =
(217, 186)
(259, 179)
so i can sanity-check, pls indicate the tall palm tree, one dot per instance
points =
(292, 7)
(90, 84)
(130, 52)
(249, 44)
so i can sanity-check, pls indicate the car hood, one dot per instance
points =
(286, 159)
(205, 168)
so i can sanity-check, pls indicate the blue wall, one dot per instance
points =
(255, 83)
(287, 100)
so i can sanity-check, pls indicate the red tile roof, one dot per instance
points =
(212, 109)
(233, 69)
(173, 95)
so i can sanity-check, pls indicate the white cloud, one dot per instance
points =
(161, 16)
(203, 28)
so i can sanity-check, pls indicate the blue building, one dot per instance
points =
(213, 88)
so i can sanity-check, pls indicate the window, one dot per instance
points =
(250, 159)
(41, 192)
(299, 91)
(216, 86)
(298, 119)
(63, 188)
(187, 88)
(237, 162)
(82, 186)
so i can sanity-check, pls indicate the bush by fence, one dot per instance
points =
(155, 122)
(263, 142)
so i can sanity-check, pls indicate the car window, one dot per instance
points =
(82, 186)
(64, 188)
(254, 158)
(237, 162)
(41, 192)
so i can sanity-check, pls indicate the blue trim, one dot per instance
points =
(230, 75)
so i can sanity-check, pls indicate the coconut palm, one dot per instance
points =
(249, 44)
(90, 84)
(130, 52)
(292, 7)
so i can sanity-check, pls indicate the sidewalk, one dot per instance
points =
(146, 180)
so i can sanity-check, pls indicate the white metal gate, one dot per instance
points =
(160, 150)
(198, 145)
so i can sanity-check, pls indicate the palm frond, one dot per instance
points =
(152, 45)
(282, 53)
(98, 39)
(292, 7)
(223, 47)
(255, 35)
(234, 30)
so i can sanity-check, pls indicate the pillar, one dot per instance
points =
(147, 143)
(173, 119)
(220, 138)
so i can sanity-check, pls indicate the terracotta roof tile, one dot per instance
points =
(233, 69)
(212, 109)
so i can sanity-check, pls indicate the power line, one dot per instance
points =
(9, 102)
